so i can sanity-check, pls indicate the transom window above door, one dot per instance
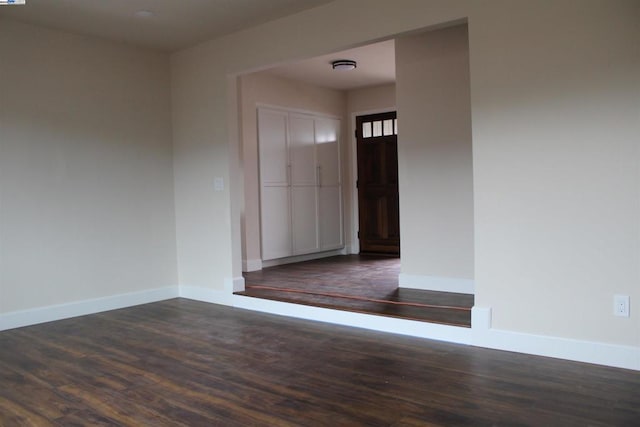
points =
(377, 128)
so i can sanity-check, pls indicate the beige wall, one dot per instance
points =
(556, 125)
(266, 89)
(554, 104)
(375, 98)
(435, 171)
(362, 101)
(86, 193)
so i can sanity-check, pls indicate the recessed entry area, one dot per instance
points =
(363, 166)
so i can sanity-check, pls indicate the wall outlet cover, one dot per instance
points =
(621, 305)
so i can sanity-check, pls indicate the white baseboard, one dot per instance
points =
(480, 318)
(359, 320)
(482, 334)
(206, 295)
(251, 265)
(433, 283)
(301, 258)
(233, 284)
(619, 356)
(17, 319)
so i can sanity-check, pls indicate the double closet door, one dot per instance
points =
(301, 190)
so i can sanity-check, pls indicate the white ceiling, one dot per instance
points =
(376, 66)
(175, 24)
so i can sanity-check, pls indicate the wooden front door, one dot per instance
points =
(378, 199)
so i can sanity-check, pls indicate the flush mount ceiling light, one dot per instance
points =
(344, 64)
(143, 14)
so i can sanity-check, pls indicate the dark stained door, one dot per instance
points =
(378, 200)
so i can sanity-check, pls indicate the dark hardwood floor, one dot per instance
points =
(186, 363)
(360, 283)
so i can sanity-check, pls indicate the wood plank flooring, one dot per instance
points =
(360, 283)
(186, 363)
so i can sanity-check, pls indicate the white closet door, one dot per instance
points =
(328, 150)
(301, 191)
(304, 212)
(302, 152)
(329, 185)
(275, 222)
(272, 140)
(275, 213)
(330, 208)
(304, 203)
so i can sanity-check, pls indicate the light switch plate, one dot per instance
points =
(218, 183)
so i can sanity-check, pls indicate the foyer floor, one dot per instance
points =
(358, 283)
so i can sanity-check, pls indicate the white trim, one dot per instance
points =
(619, 356)
(354, 247)
(17, 319)
(481, 334)
(301, 258)
(433, 283)
(302, 111)
(358, 320)
(206, 295)
(251, 265)
(480, 318)
(233, 284)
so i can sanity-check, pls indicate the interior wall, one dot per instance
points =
(374, 98)
(86, 187)
(267, 89)
(363, 101)
(435, 171)
(556, 119)
(554, 102)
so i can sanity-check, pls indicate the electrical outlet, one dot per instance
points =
(621, 305)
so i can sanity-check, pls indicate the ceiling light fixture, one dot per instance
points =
(143, 14)
(344, 64)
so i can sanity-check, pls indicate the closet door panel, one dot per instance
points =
(302, 150)
(272, 140)
(328, 150)
(275, 222)
(330, 217)
(304, 211)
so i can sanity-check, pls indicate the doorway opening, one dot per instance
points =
(368, 176)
